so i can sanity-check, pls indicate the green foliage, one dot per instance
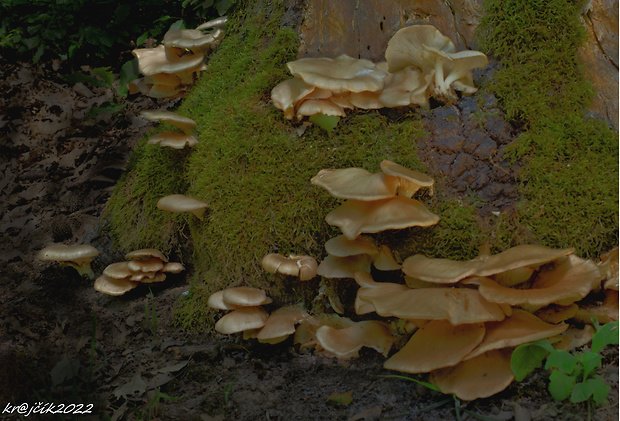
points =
(572, 374)
(567, 200)
(326, 122)
(86, 29)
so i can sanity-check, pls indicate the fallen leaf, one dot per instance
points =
(344, 398)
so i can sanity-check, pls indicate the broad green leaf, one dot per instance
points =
(595, 388)
(326, 122)
(105, 74)
(591, 361)
(605, 335)
(527, 357)
(129, 72)
(562, 360)
(142, 38)
(560, 385)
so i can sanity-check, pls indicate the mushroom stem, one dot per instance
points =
(440, 85)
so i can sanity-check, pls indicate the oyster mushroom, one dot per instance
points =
(305, 267)
(179, 203)
(77, 256)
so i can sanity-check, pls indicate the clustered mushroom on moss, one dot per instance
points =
(173, 66)
(466, 316)
(172, 139)
(145, 266)
(420, 63)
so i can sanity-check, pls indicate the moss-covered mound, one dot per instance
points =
(253, 167)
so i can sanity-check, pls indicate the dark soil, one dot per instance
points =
(62, 342)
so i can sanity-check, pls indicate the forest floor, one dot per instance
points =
(63, 342)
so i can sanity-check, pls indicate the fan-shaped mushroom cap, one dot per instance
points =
(570, 280)
(245, 297)
(521, 256)
(173, 267)
(573, 338)
(184, 123)
(416, 45)
(173, 140)
(344, 267)
(303, 266)
(242, 319)
(281, 323)
(370, 290)
(119, 270)
(462, 63)
(409, 181)
(191, 39)
(145, 265)
(356, 183)
(114, 287)
(182, 203)
(557, 314)
(144, 254)
(441, 271)
(514, 276)
(604, 312)
(346, 343)
(366, 100)
(214, 23)
(404, 88)
(148, 277)
(287, 94)
(385, 260)
(355, 216)
(77, 256)
(436, 345)
(479, 377)
(519, 328)
(310, 107)
(343, 73)
(457, 305)
(156, 60)
(341, 246)
(609, 267)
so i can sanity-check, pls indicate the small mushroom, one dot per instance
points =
(242, 319)
(186, 124)
(179, 203)
(281, 324)
(305, 267)
(174, 140)
(78, 257)
(114, 287)
(345, 343)
(356, 183)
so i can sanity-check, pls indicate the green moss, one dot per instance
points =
(569, 181)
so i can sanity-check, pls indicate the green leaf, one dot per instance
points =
(560, 385)
(591, 361)
(326, 122)
(595, 388)
(605, 335)
(527, 357)
(562, 360)
(105, 107)
(129, 72)
(142, 38)
(105, 74)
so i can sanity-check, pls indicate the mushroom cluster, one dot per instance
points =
(304, 267)
(77, 256)
(471, 314)
(144, 266)
(420, 63)
(173, 66)
(170, 139)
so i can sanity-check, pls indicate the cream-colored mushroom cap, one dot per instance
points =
(462, 63)
(214, 23)
(355, 216)
(287, 94)
(519, 328)
(76, 256)
(409, 181)
(192, 39)
(570, 280)
(118, 270)
(385, 260)
(245, 297)
(406, 87)
(345, 343)
(144, 254)
(182, 203)
(281, 323)
(114, 287)
(341, 246)
(173, 267)
(344, 267)
(520, 256)
(310, 107)
(174, 140)
(242, 319)
(436, 345)
(356, 183)
(417, 46)
(343, 73)
(156, 60)
(479, 377)
(184, 123)
(441, 271)
(153, 264)
(305, 267)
